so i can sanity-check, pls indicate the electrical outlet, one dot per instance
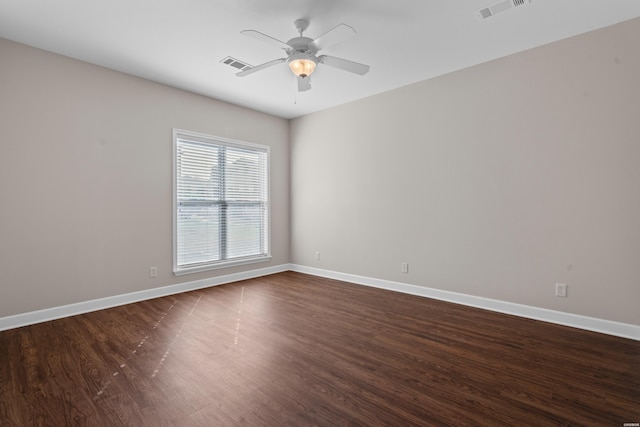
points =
(153, 272)
(317, 255)
(561, 290)
(404, 267)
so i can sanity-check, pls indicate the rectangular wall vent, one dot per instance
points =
(235, 63)
(499, 7)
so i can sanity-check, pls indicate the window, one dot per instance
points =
(221, 204)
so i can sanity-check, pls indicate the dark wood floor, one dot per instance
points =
(292, 349)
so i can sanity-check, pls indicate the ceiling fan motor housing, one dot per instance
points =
(301, 45)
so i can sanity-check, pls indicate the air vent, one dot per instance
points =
(503, 6)
(235, 63)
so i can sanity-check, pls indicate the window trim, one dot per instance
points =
(210, 139)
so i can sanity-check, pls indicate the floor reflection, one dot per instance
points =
(237, 334)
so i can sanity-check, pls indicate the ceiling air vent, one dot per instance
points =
(502, 6)
(235, 63)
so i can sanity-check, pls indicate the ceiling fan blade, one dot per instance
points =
(344, 64)
(260, 67)
(265, 38)
(334, 36)
(304, 84)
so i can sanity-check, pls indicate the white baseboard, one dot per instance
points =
(45, 315)
(623, 330)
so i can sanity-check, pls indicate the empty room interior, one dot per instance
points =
(320, 213)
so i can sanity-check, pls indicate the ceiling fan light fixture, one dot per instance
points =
(302, 64)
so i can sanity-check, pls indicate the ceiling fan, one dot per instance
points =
(301, 53)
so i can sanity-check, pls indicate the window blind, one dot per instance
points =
(221, 202)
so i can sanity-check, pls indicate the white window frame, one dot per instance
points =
(217, 141)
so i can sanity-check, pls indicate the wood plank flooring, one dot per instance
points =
(297, 350)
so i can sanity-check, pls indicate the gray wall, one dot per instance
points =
(85, 178)
(496, 181)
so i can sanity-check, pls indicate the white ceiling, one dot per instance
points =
(181, 43)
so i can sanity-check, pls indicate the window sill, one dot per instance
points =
(218, 265)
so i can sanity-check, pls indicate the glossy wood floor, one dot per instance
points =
(297, 350)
